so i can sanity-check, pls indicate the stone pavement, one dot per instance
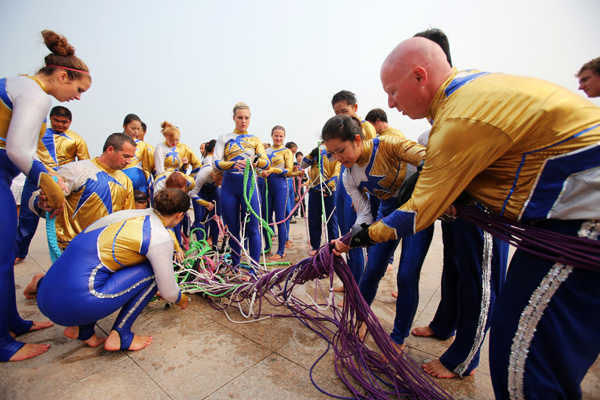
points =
(199, 354)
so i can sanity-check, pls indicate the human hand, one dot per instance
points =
(210, 206)
(449, 215)
(339, 247)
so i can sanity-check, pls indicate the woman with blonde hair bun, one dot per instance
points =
(23, 109)
(172, 155)
(230, 156)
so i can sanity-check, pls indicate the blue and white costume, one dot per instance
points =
(24, 105)
(229, 149)
(118, 262)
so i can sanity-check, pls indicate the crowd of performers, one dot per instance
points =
(508, 146)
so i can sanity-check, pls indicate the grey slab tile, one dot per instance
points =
(192, 356)
(277, 378)
(123, 380)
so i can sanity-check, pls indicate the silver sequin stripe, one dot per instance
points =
(486, 277)
(95, 293)
(137, 304)
(533, 313)
(531, 316)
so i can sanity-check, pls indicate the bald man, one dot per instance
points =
(528, 150)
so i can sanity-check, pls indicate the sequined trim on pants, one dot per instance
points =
(486, 277)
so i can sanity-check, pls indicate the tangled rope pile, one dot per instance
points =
(367, 373)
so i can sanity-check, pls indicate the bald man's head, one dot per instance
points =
(411, 75)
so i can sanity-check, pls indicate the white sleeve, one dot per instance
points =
(203, 177)
(30, 107)
(160, 255)
(159, 159)
(219, 152)
(360, 200)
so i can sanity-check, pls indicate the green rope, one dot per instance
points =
(264, 223)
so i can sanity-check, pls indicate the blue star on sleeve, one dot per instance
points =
(101, 187)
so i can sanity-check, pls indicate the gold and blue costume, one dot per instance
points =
(528, 150)
(54, 149)
(321, 200)
(391, 131)
(379, 172)
(24, 105)
(93, 191)
(116, 263)
(229, 149)
(205, 192)
(141, 167)
(274, 192)
(166, 157)
(346, 217)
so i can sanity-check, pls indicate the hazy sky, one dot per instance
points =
(189, 62)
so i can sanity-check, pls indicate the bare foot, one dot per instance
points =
(389, 268)
(436, 368)
(288, 244)
(36, 327)
(394, 295)
(113, 342)
(72, 332)
(339, 288)
(276, 257)
(30, 350)
(362, 331)
(30, 291)
(312, 252)
(19, 260)
(341, 303)
(424, 331)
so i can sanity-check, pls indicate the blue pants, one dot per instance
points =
(414, 250)
(210, 193)
(10, 320)
(232, 198)
(28, 221)
(274, 198)
(444, 320)
(78, 290)
(346, 217)
(466, 278)
(544, 331)
(315, 211)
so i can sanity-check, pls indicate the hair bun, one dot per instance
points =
(57, 44)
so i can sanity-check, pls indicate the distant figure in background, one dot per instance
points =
(58, 146)
(321, 196)
(378, 118)
(142, 165)
(274, 190)
(299, 186)
(141, 200)
(173, 155)
(589, 78)
(142, 136)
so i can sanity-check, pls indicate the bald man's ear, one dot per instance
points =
(420, 75)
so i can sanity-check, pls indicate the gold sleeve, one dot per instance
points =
(457, 152)
(82, 149)
(368, 131)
